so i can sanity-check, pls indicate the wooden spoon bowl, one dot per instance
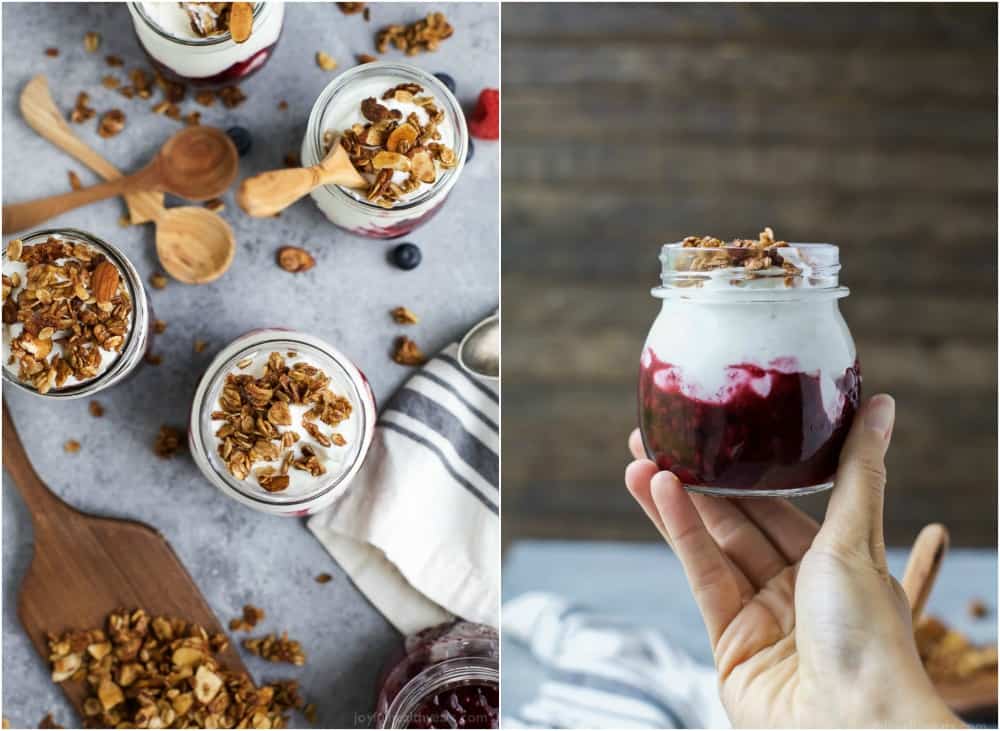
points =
(194, 244)
(198, 163)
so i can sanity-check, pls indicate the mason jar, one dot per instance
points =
(447, 676)
(115, 365)
(164, 32)
(306, 492)
(749, 379)
(337, 108)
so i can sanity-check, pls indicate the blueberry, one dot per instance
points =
(471, 152)
(241, 138)
(406, 256)
(447, 80)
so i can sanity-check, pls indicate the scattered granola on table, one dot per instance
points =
(200, 345)
(95, 408)
(111, 123)
(351, 8)
(82, 111)
(66, 312)
(423, 35)
(295, 259)
(91, 41)
(407, 353)
(157, 280)
(404, 316)
(248, 620)
(325, 61)
(74, 180)
(324, 578)
(52, 52)
(163, 672)
(168, 442)
(49, 722)
(276, 649)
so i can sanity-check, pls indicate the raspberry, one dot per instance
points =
(485, 120)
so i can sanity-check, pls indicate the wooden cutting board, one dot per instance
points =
(85, 566)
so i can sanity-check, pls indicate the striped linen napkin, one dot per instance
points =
(418, 530)
(604, 673)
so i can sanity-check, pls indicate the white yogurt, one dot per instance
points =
(702, 340)
(13, 330)
(334, 458)
(166, 34)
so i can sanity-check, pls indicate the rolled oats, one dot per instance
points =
(277, 649)
(81, 110)
(92, 41)
(111, 123)
(403, 316)
(168, 442)
(72, 446)
(325, 61)
(295, 259)
(248, 620)
(407, 352)
(95, 408)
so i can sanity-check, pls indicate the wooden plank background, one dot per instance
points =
(626, 126)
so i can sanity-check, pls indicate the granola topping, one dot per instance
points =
(67, 313)
(423, 35)
(280, 422)
(203, 20)
(397, 135)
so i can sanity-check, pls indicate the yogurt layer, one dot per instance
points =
(346, 112)
(702, 343)
(192, 56)
(18, 271)
(335, 459)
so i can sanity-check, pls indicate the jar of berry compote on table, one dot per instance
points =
(76, 319)
(749, 379)
(194, 42)
(404, 132)
(281, 421)
(447, 676)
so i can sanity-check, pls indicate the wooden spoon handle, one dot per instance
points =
(268, 193)
(41, 114)
(22, 216)
(922, 567)
(41, 501)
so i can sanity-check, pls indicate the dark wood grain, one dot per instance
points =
(869, 126)
(85, 567)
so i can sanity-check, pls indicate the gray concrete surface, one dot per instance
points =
(237, 555)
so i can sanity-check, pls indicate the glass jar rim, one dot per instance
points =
(728, 273)
(197, 42)
(435, 678)
(329, 94)
(139, 321)
(225, 363)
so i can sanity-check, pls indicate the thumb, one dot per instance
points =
(854, 514)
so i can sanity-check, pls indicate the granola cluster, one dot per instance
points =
(257, 412)
(949, 655)
(69, 307)
(213, 19)
(389, 143)
(276, 649)
(422, 35)
(162, 672)
(752, 255)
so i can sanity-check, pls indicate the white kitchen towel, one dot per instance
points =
(418, 529)
(605, 673)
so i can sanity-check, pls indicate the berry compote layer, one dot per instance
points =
(773, 427)
(473, 705)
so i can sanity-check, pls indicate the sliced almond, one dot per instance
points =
(422, 165)
(391, 161)
(206, 685)
(109, 694)
(402, 138)
(240, 21)
(186, 656)
(104, 283)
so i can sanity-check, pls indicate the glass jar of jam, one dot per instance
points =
(76, 319)
(281, 421)
(749, 379)
(447, 676)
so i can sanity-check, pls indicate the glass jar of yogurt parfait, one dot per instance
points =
(281, 422)
(192, 42)
(412, 122)
(446, 676)
(749, 379)
(76, 319)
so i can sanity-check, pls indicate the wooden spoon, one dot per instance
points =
(42, 115)
(923, 565)
(197, 163)
(268, 193)
(85, 567)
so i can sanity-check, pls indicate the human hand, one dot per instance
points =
(807, 626)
